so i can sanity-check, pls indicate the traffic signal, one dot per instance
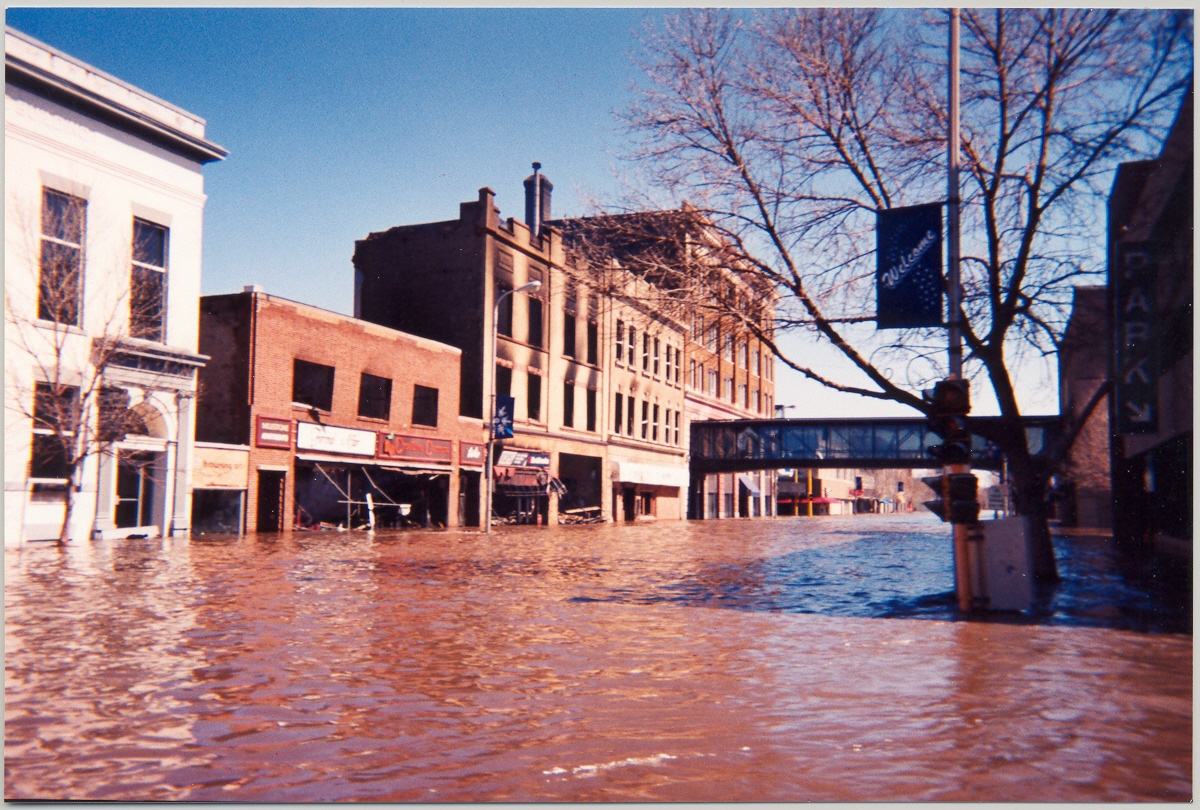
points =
(957, 500)
(951, 401)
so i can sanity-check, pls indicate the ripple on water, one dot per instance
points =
(768, 660)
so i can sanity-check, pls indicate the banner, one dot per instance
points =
(502, 422)
(908, 275)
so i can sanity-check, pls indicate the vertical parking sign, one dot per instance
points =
(1135, 344)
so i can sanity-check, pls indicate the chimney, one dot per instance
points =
(537, 200)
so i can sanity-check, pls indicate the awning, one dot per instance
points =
(632, 472)
(750, 484)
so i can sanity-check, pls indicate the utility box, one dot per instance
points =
(1007, 562)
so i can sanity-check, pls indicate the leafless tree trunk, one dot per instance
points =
(786, 130)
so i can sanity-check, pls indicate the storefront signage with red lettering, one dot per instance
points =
(471, 455)
(415, 448)
(273, 433)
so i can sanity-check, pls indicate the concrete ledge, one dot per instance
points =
(121, 534)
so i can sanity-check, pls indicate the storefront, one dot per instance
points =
(522, 486)
(361, 479)
(647, 491)
(219, 476)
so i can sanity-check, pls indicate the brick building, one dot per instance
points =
(1083, 493)
(305, 416)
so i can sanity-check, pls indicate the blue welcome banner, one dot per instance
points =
(908, 275)
(502, 422)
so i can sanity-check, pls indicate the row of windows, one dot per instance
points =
(655, 355)
(312, 385)
(61, 262)
(625, 414)
(711, 383)
(729, 347)
(533, 393)
(535, 331)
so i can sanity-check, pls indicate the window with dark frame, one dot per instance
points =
(676, 427)
(374, 397)
(504, 314)
(148, 282)
(425, 406)
(632, 344)
(312, 384)
(568, 404)
(618, 412)
(629, 417)
(590, 400)
(593, 343)
(60, 265)
(535, 322)
(533, 390)
(503, 380)
(568, 335)
(645, 419)
(654, 432)
(645, 352)
(55, 420)
(620, 341)
(657, 350)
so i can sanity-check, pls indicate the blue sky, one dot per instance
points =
(340, 122)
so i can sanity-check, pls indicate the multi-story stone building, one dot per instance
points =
(311, 419)
(598, 371)
(104, 204)
(724, 370)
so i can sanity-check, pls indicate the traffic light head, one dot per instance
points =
(952, 452)
(957, 497)
(951, 398)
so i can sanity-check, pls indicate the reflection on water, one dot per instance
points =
(780, 660)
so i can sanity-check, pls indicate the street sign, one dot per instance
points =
(908, 261)
(502, 422)
(1136, 346)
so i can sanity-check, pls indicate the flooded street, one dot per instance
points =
(751, 660)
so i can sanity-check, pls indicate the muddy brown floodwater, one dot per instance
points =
(768, 660)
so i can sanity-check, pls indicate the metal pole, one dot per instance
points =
(532, 286)
(952, 246)
(965, 563)
(491, 427)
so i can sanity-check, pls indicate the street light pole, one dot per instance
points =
(491, 427)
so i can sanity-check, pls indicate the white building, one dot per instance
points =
(104, 203)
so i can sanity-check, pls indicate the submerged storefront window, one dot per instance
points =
(359, 496)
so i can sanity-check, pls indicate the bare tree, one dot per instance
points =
(58, 369)
(787, 130)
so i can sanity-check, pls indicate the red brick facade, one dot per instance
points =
(258, 338)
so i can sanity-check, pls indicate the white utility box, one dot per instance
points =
(1007, 562)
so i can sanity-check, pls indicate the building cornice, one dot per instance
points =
(61, 90)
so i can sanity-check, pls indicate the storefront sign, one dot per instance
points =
(416, 448)
(470, 454)
(273, 433)
(1136, 344)
(219, 468)
(908, 275)
(329, 439)
(523, 458)
(629, 472)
